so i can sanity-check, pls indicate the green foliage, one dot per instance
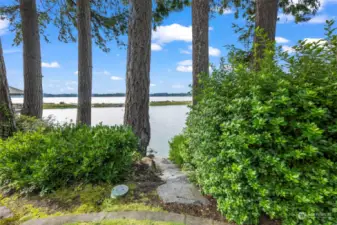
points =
(302, 11)
(43, 161)
(7, 124)
(28, 123)
(177, 148)
(265, 142)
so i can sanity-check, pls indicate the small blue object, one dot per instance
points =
(119, 191)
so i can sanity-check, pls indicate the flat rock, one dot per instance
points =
(182, 193)
(5, 213)
(177, 188)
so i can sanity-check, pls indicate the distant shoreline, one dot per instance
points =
(104, 95)
(104, 105)
(120, 95)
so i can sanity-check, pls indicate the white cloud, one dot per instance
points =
(153, 85)
(185, 66)
(323, 3)
(76, 72)
(210, 28)
(173, 32)
(319, 19)
(281, 40)
(288, 49)
(227, 11)
(186, 52)
(4, 23)
(185, 69)
(50, 65)
(224, 11)
(11, 51)
(105, 72)
(115, 78)
(156, 47)
(185, 63)
(178, 86)
(214, 52)
(320, 41)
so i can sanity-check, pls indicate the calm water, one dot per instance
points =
(166, 121)
(102, 99)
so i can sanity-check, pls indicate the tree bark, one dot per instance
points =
(138, 71)
(200, 26)
(266, 19)
(7, 121)
(84, 62)
(33, 93)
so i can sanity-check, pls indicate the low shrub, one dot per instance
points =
(27, 123)
(177, 147)
(265, 142)
(43, 161)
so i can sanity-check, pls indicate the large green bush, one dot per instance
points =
(265, 142)
(43, 161)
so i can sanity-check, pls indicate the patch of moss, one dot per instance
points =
(76, 200)
(23, 210)
(127, 222)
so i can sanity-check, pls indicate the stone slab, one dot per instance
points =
(177, 188)
(5, 213)
(136, 215)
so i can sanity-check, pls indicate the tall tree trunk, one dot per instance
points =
(84, 62)
(7, 122)
(33, 93)
(200, 26)
(266, 19)
(138, 71)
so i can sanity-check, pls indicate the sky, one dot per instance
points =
(171, 60)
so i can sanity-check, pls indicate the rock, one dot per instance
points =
(177, 189)
(149, 162)
(5, 213)
(181, 193)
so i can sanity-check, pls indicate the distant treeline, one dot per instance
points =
(122, 95)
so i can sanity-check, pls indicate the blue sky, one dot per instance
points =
(171, 53)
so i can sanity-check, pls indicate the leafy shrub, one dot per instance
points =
(177, 147)
(265, 142)
(44, 161)
(27, 123)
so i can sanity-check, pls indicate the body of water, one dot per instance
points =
(95, 100)
(166, 121)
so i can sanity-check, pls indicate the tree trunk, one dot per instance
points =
(33, 93)
(7, 121)
(200, 26)
(138, 71)
(265, 19)
(84, 62)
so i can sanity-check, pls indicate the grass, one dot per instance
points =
(109, 105)
(75, 200)
(126, 222)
